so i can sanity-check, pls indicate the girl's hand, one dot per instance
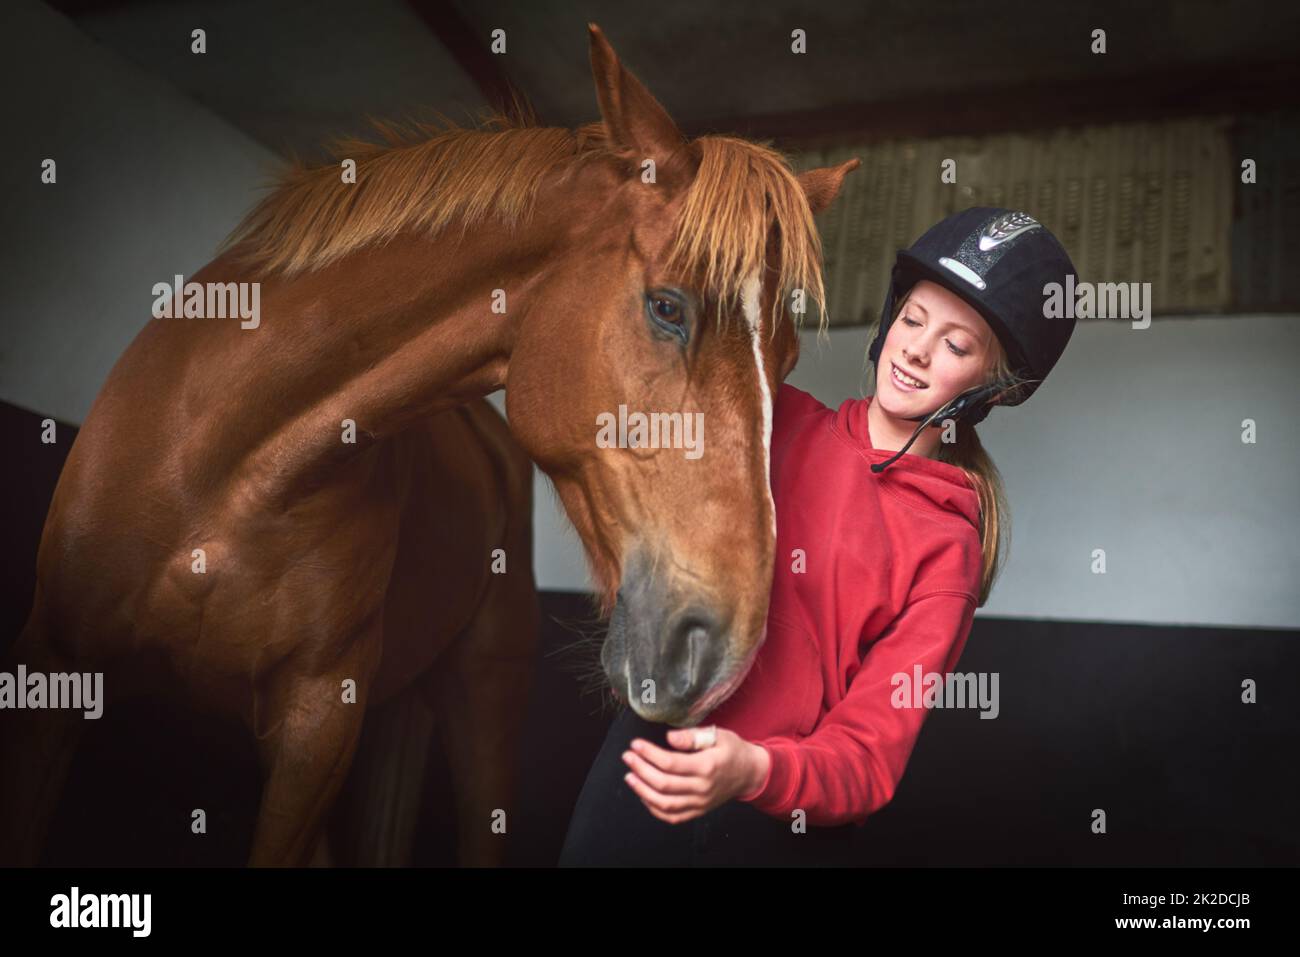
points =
(677, 786)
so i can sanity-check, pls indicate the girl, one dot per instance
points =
(888, 537)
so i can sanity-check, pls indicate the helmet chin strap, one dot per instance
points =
(954, 409)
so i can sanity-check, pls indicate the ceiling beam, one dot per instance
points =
(470, 50)
(1191, 90)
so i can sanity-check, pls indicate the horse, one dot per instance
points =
(459, 648)
(450, 625)
(233, 508)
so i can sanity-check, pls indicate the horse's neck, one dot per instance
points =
(409, 329)
(383, 337)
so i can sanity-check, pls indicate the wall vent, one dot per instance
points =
(1132, 202)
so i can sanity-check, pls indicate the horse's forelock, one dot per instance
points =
(741, 192)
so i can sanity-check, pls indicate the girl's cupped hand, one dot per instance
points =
(679, 785)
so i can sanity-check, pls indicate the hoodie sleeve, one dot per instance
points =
(849, 767)
(794, 403)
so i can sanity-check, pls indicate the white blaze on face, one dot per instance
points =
(751, 297)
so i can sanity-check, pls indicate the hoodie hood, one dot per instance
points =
(917, 481)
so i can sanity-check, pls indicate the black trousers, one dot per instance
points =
(612, 828)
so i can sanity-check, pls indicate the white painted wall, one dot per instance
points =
(149, 183)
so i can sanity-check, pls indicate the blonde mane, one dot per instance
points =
(426, 177)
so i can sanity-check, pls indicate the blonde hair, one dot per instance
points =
(969, 455)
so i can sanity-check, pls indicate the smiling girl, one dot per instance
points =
(889, 536)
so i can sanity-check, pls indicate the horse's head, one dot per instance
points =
(643, 377)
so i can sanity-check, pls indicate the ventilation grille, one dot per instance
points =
(1134, 202)
(1266, 230)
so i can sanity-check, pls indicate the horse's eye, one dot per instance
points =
(667, 309)
(669, 315)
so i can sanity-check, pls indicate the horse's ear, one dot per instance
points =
(635, 121)
(823, 184)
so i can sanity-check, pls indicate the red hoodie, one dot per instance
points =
(891, 578)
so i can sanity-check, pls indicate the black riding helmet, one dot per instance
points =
(999, 261)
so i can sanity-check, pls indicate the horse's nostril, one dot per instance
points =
(697, 640)
(691, 653)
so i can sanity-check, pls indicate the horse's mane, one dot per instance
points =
(425, 176)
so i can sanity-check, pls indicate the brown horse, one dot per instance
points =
(460, 635)
(616, 265)
(451, 626)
